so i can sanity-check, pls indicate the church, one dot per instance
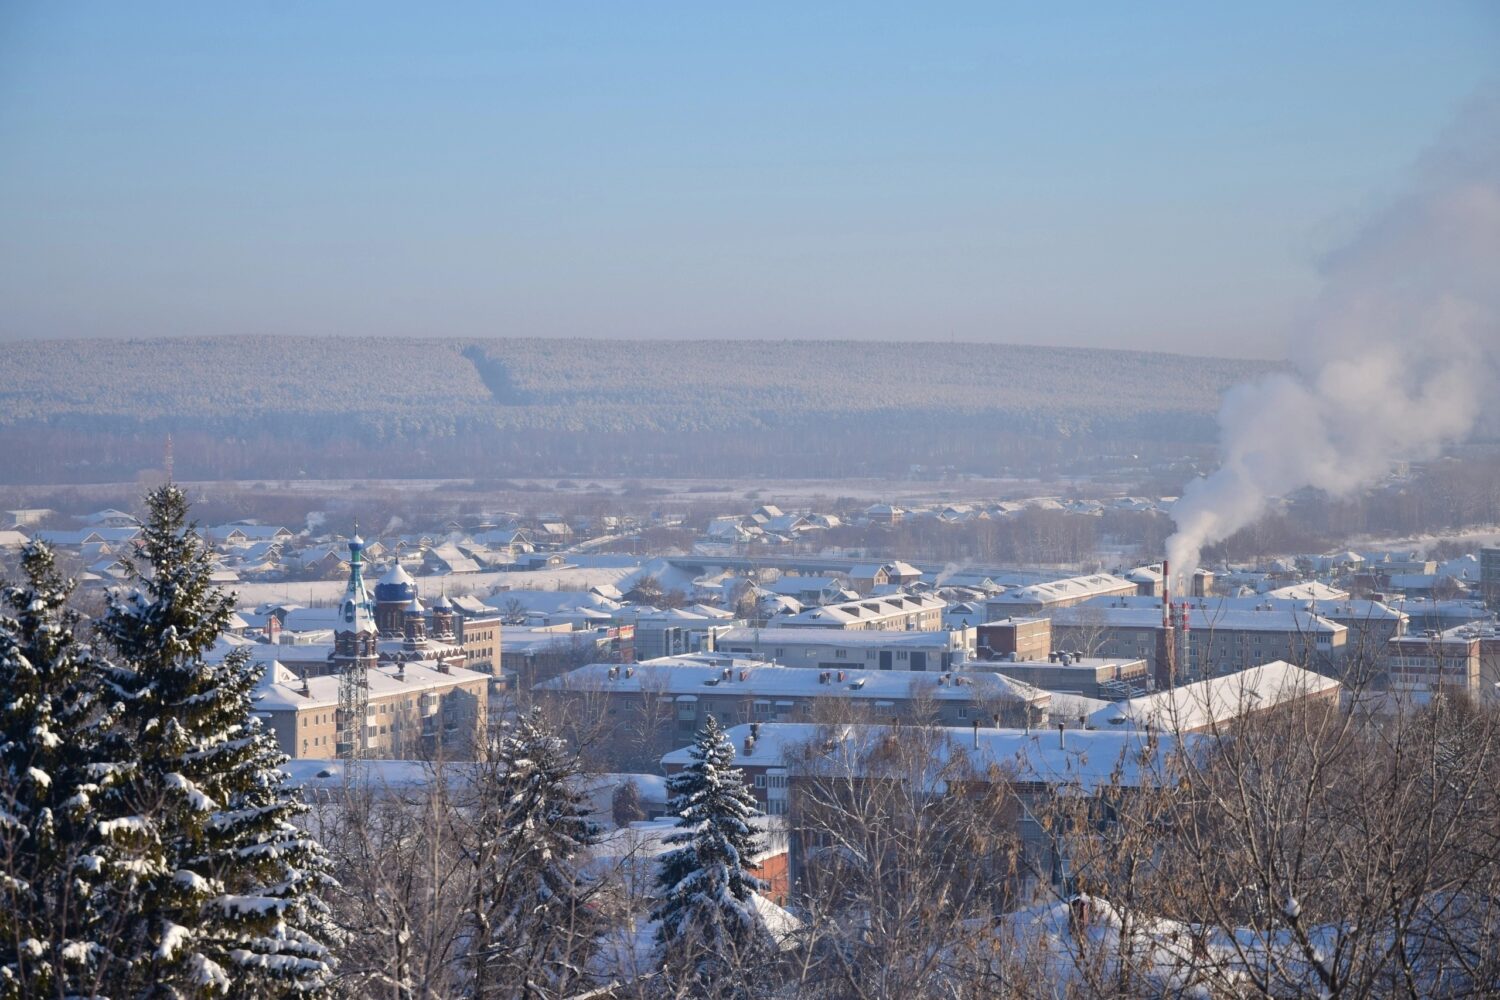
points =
(405, 675)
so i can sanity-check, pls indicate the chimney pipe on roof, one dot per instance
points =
(1062, 740)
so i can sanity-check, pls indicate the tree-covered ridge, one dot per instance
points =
(562, 384)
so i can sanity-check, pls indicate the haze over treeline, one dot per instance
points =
(91, 411)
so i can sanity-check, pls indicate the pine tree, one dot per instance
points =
(52, 769)
(704, 906)
(530, 911)
(223, 886)
(625, 805)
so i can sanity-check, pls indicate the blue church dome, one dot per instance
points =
(396, 587)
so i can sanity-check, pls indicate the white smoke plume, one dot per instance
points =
(946, 573)
(1397, 359)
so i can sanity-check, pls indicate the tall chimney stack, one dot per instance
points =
(1166, 592)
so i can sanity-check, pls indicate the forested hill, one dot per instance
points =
(278, 406)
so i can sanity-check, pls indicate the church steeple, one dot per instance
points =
(354, 655)
(355, 633)
(414, 627)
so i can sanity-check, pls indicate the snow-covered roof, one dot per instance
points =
(1074, 588)
(1216, 700)
(419, 676)
(1311, 590)
(1275, 619)
(1343, 608)
(1081, 758)
(871, 638)
(705, 674)
(866, 609)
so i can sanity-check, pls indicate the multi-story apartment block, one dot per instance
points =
(481, 640)
(415, 710)
(1220, 640)
(638, 712)
(1420, 665)
(834, 649)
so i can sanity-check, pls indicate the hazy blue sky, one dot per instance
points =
(1138, 175)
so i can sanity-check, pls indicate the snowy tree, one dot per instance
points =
(529, 911)
(625, 805)
(223, 886)
(705, 906)
(51, 756)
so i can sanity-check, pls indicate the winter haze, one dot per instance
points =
(605, 501)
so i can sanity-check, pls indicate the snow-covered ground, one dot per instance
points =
(324, 592)
(1476, 536)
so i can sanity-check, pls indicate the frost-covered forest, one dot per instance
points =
(239, 407)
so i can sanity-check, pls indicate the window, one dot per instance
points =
(840, 654)
(760, 781)
(902, 655)
(963, 711)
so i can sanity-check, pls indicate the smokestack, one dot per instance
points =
(1166, 592)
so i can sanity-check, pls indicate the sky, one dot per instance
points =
(1148, 175)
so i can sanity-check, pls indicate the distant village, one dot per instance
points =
(396, 649)
(480, 614)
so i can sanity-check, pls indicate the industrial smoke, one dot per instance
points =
(1397, 358)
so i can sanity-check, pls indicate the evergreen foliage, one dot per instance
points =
(531, 918)
(52, 751)
(223, 886)
(625, 804)
(704, 904)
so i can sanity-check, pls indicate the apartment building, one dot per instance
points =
(415, 710)
(834, 649)
(781, 760)
(1371, 624)
(1420, 665)
(638, 712)
(1220, 640)
(480, 637)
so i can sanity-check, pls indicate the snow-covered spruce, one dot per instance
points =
(530, 918)
(53, 767)
(223, 888)
(705, 910)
